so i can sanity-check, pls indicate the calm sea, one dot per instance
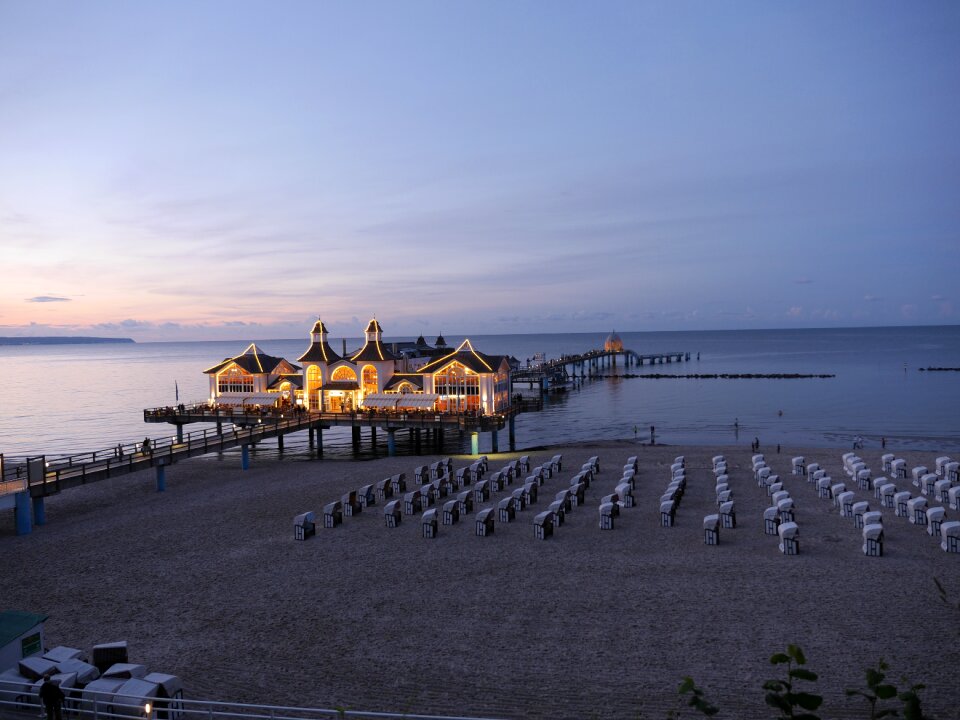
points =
(75, 398)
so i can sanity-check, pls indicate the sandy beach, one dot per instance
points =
(206, 581)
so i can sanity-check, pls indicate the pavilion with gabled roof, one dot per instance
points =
(462, 380)
(254, 378)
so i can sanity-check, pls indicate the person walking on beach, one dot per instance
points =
(52, 698)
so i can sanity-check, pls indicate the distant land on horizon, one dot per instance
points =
(67, 340)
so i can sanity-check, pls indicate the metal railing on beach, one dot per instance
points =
(19, 700)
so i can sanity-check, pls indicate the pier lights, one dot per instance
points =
(146, 710)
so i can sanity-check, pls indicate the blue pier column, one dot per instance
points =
(494, 444)
(179, 433)
(22, 513)
(39, 512)
(319, 441)
(161, 478)
(391, 442)
(474, 443)
(280, 442)
(245, 457)
(513, 433)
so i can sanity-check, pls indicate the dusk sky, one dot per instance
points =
(232, 170)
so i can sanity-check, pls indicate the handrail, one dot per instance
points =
(238, 427)
(96, 704)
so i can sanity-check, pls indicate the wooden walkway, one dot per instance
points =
(560, 372)
(242, 429)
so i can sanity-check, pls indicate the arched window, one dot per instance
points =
(369, 379)
(314, 383)
(343, 373)
(460, 385)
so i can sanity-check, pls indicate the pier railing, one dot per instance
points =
(235, 429)
(390, 419)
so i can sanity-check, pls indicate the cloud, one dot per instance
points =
(946, 309)
(937, 298)
(47, 299)
(908, 311)
(803, 281)
(795, 312)
(872, 298)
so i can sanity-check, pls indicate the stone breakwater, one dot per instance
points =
(722, 376)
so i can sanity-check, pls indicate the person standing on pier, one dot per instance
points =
(52, 698)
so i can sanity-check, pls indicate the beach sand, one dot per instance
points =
(206, 581)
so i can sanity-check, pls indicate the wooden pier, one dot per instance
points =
(25, 483)
(559, 373)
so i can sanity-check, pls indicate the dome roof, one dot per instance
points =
(440, 342)
(374, 326)
(613, 343)
(421, 342)
(319, 327)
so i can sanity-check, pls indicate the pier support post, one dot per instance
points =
(391, 442)
(179, 433)
(494, 443)
(355, 431)
(310, 437)
(512, 435)
(162, 477)
(416, 440)
(280, 442)
(39, 512)
(319, 432)
(245, 457)
(474, 443)
(373, 437)
(22, 513)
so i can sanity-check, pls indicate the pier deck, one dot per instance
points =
(558, 373)
(243, 429)
(27, 481)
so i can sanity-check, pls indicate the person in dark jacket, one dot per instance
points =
(52, 697)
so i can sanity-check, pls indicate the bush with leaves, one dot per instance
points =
(876, 691)
(698, 700)
(782, 695)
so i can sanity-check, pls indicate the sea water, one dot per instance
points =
(63, 399)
